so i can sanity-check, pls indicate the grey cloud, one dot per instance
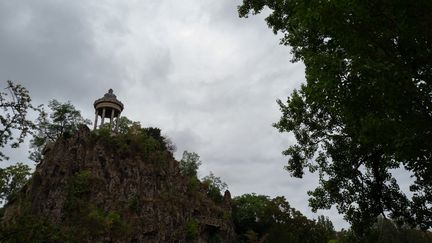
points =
(48, 46)
(208, 79)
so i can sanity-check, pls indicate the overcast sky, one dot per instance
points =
(207, 78)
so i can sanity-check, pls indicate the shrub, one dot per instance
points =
(134, 204)
(78, 191)
(148, 143)
(193, 185)
(215, 186)
(191, 229)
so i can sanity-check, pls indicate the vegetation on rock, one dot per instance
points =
(191, 229)
(94, 186)
(215, 186)
(189, 164)
(63, 120)
(12, 179)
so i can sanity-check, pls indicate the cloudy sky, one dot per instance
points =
(193, 68)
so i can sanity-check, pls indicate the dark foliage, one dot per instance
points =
(189, 164)
(12, 179)
(385, 230)
(215, 186)
(62, 121)
(258, 218)
(366, 106)
(145, 142)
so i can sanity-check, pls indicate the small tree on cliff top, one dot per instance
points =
(63, 120)
(189, 164)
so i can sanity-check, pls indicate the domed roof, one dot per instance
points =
(109, 97)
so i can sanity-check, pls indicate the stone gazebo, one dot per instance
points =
(108, 107)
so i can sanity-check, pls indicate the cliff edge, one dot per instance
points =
(100, 187)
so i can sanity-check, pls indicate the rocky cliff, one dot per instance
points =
(100, 187)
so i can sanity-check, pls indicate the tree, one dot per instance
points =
(366, 107)
(249, 212)
(385, 230)
(325, 228)
(215, 187)
(273, 220)
(123, 124)
(15, 103)
(63, 120)
(128, 128)
(12, 179)
(215, 181)
(189, 164)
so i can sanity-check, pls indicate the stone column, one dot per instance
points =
(96, 120)
(103, 116)
(111, 119)
(117, 122)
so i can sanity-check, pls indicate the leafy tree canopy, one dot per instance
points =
(12, 179)
(123, 124)
(15, 125)
(215, 187)
(258, 218)
(15, 103)
(385, 230)
(189, 164)
(366, 107)
(130, 136)
(215, 181)
(63, 120)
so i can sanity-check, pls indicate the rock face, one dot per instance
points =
(94, 188)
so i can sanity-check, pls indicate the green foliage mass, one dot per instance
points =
(215, 187)
(128, 128)
(12, 179)
(189, 164)
(191, 228)
(62, 121)
(134, 204)
(385, 230)
(366, 106)
(78, 191)
(84, 220)
(106, 223)
(145, 142)
(258, 218)
(193, 185)
(15, 103)
(28, 228)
